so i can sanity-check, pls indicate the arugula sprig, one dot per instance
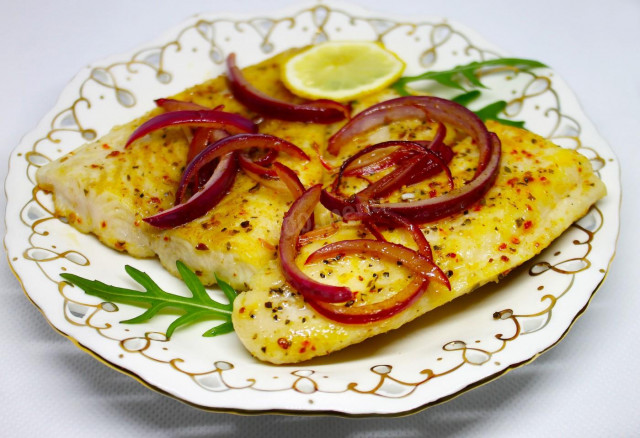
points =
(200, 306)
(465, 76)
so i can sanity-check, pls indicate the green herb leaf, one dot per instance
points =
(454, 78)
(200, 306)
(491, 112)
(465, 76)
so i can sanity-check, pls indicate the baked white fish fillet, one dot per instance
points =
(540, 191)
(104, 189)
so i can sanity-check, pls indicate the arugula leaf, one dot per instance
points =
(487, 112)
(196, 308)
(457, 76)
(454, 78)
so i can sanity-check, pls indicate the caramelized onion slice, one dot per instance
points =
(399, 254)
(376, 311)
(292, 226)
(317, 111)
(199, 204)
(414, 107)
(235, 143)
(427, 210)
(232, 123)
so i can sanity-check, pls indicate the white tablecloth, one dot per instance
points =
(586, 386)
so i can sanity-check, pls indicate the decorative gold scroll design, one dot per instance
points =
(79, 313)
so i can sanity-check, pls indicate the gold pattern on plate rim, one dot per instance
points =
(34, 213)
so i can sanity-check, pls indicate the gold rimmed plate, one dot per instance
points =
(423, 363)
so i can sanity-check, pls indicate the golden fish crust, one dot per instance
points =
(540, 191)
(105, 189)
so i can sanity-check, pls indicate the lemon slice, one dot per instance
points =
(341, 70)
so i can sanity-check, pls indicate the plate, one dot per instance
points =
(452, 349)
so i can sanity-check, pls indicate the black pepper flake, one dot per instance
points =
(449, 273)
(268, 304)
(385, 274)
(245, 224)
(322, 275)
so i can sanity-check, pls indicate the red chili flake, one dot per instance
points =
(106, 146)
(94, 166)
(504, 258)
(166, 238)
(202, 247)
(543, 178)
(530, 208)
(512, 182)
(241, 310)
(502, 246)
(302, 350)
(491, 260)
(432, 193)
(103, 224)
(515, 240)
(527, 225)
(452, 255)
(284, 343)
(113, 154)
(154, 200)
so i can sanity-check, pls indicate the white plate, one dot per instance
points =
(452, 349)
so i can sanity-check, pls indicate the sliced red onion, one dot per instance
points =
(268, 158)
(413, 107)
(395, 220)
(375, 311)
(317, 234)
(232, 123)
(317, 111)
(182, 105)
(404, 176)
(235, 143)
(249, 165)
(292, 225)
(427, 210)
(204, 200)
(293, 183)
(402, 255)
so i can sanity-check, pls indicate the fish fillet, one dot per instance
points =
(106, 190)
(540, 191)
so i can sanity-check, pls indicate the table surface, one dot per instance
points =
(586, 386)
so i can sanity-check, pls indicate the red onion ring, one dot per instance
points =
(232, 123)
(199, 204)
(292, 225)
(317, 111)
(408, 107)
(235, 143)
(386, 250)
(183, 105)
(375, 311)
(317, 234)
(249, 165)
